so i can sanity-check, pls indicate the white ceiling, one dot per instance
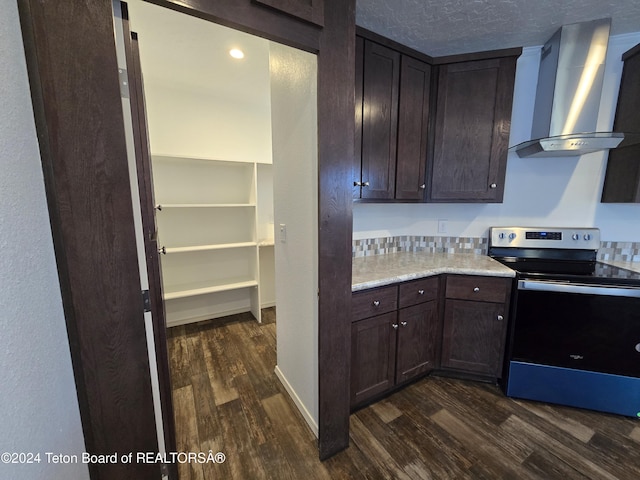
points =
(184, 52)
(447, 27)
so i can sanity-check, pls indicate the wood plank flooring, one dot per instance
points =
(228, 399)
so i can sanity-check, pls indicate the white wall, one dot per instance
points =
(544, 191)
(193, 123)
(200, 101)
(38, 404)
(294, 127)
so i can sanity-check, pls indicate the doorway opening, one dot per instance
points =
(234, 152)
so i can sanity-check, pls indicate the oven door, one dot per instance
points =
(576, 344)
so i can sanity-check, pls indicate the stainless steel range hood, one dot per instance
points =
(568, 94)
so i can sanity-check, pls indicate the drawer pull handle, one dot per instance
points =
(376, 303)
(404, 324)
(500, 318)
(420, 292)
(394, 325)
(476, 289)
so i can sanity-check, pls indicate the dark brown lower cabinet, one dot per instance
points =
(416, 344)
(475, 324)
(472, 337)
(399, 332)
(397, 346)
(373, 348)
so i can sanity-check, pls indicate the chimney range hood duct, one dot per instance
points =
(568, 94)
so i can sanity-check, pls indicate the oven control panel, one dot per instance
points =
(540, 237)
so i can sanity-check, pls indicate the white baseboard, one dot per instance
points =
(303, 410)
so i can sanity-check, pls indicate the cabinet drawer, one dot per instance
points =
(369, 303)
(418, 291)
(483, 289)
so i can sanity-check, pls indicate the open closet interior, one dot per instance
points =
(234, 150)
(209, 122)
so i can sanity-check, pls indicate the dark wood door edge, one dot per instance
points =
(147, 206)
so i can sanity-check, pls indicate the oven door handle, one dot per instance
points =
(581, 288)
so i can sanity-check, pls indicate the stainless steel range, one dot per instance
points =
(575, 332)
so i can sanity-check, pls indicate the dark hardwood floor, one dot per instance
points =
(228, 399)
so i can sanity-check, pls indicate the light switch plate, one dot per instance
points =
(283, 233)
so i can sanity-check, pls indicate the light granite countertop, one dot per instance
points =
(378, 270)
(633, 266)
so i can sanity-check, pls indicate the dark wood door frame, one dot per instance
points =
(73, 74)
(149, 231)
(74, 81)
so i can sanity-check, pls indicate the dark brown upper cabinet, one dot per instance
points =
(405, 149)
(376, 173)
(622, 179)
(392, 116)
(473, 120)
(413, 124)
(311, 11)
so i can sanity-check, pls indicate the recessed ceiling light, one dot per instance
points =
(236, 53)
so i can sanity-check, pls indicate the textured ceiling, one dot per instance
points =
(446, 27)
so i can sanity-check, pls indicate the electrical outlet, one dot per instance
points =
(442, 226)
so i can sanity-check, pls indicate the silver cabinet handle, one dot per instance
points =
(420, 292)
(500, 318)
(476, 289)
(404, 324)
(493, 185)
(376, 303)
(365, 184)
(395, 326)
(158, 207)
(162, 250)
(357, 184)
(423, 186)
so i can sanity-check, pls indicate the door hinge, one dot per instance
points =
(164, 471)
(123, 77)
(146, 300)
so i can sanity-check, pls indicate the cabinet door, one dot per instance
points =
(473, 337)
(311, 11)
(622, 180)
(357, 150)
(413, 123)
(373, 350)
(472, 127)
(379, 120)
(417, 333)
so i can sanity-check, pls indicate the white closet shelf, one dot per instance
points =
(183, 291)
(202, 248)
(179, 157)
(267, 242)
(205, 205)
